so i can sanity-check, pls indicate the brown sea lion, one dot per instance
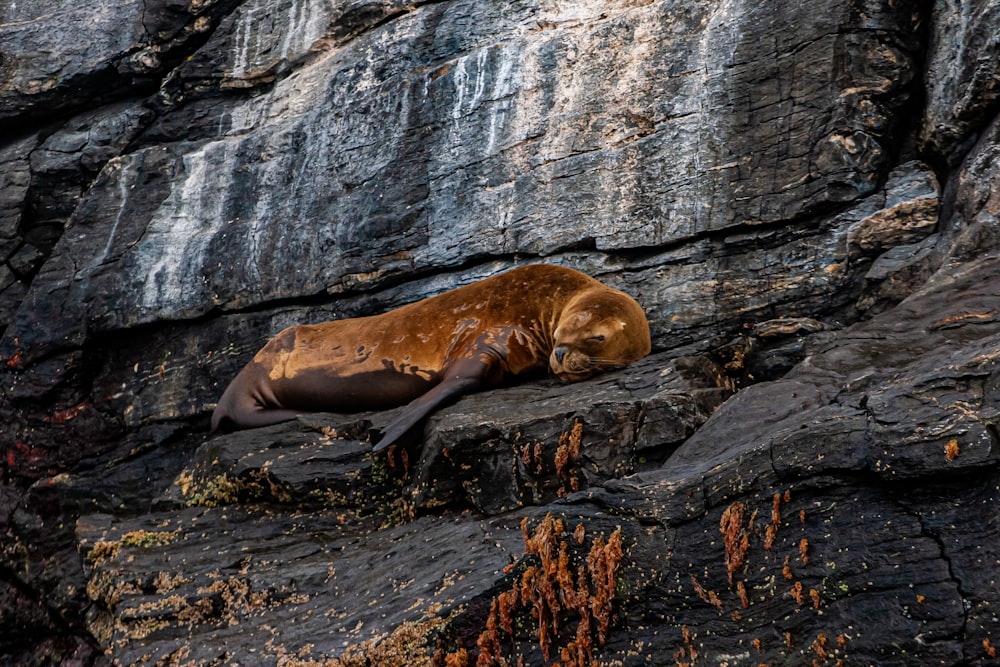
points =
(432, 351)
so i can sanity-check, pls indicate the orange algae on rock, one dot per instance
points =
(554, 587)
(710, 597)
(736, 538)
(951, 450)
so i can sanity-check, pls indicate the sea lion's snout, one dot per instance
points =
(570, 365)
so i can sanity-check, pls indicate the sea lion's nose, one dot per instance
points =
(560, 353)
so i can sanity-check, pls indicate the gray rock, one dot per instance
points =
(802, 196)
(57, 44)
(439, 166)
(961, 77)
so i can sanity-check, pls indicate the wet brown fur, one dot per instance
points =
(430, 351)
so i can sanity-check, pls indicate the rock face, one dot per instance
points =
(802, 196)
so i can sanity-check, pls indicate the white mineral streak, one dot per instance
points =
(307, 22)
(265, 36)
(179, 233)
(472, 76)
(124, 174)
(242, 35)
(175, 243)
(482, 96)
(246, 116)
(511, 110)
(571, 12)
(460, 78)
(715, 52)
(485, 83)
(126, 181)
(504, 85)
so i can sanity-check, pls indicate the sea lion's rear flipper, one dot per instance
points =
(241, 414)
(460, 378)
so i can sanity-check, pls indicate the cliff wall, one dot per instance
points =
(803, 196)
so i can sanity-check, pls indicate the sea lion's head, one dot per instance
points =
(599, 329)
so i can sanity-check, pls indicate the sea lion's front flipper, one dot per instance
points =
(460, 378)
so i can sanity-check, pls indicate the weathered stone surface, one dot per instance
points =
(58, 55)
(963, 76)
(787, 459)
(476, 453)
(904, 385)
(310, 465)
(974, 221)
(803, 197)
(299, 587)
(400, 165)
(15, 179)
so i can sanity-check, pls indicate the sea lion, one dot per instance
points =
(432, 351)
